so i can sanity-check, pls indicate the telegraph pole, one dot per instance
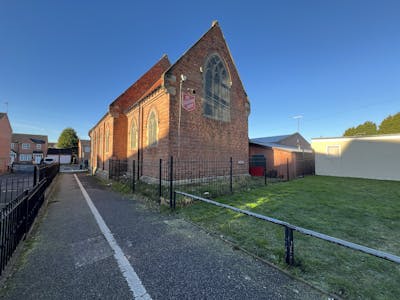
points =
(299, 117)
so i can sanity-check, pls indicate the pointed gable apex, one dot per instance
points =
(205, 44)
(140, 87)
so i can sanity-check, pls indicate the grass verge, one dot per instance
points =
(358, 210)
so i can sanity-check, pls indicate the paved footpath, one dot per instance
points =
(129, 251)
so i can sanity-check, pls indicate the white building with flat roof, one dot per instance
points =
(374, 157)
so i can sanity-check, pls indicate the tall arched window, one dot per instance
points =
(107, 139)
(152, 129)
(101, 142)
(216, 83)
(133, 135)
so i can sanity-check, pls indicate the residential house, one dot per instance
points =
(28, 148)
(84, 151)
(194, 109)
(5, 142)
(286, 156)
(374, 157)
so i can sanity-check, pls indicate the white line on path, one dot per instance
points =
(135, 285)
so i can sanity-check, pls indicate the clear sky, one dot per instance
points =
(336, 63)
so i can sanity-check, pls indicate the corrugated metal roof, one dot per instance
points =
(270, 139)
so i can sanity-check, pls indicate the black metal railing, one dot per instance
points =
(12, 185)
(289, 228)
(18, 215)
(209, 178)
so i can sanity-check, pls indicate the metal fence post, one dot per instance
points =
(133, 176)
(119, 169)
(34, 176)
(287, 166)
(230, 175)
(159, 181)
(171, 174)
(265, 172)
(26, 212)
(289, 246)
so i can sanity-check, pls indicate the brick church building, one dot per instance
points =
(194, 109)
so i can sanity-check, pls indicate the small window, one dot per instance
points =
(25, 157)
(26, 146)
(87, 149)
(12, 145)
(152, 129)
(38, 146)
(133, 135)
(333, 151)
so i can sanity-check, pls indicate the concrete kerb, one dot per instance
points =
(10, 268)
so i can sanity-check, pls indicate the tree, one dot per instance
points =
(390, 124)
(367, 128)
(350, 132)
(68, 138)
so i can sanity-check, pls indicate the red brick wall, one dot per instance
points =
(159, 103)
(5, 143)
(277, 160)
(201, 137)
(99, 156)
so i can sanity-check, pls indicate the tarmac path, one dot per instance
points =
(130, 251)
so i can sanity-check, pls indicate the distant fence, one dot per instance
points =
(18, 215)
(209, 178)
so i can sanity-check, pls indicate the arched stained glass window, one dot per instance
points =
(133, 135)
(216, 84)
(152, 129)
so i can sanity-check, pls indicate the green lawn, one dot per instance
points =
(362, 211)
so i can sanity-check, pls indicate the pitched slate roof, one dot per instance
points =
(270, 139)
(275, 142)
(141, 86)
(35, 138)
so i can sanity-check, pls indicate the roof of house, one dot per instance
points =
(2, 115)
(35, 138)
(275, 142)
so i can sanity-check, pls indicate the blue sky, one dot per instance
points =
(337, 63)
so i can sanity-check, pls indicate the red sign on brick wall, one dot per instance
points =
(188, 101)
